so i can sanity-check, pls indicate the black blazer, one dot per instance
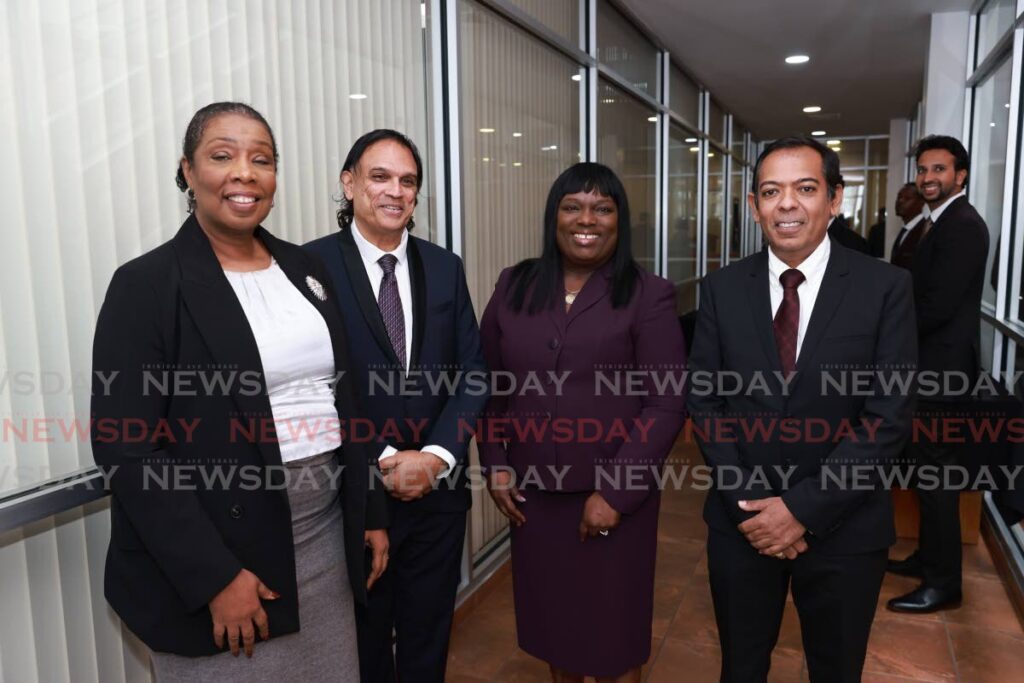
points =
(445, 345)
(949, 273)
(172, 313)
(862, 320)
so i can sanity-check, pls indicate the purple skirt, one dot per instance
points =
(585, 608)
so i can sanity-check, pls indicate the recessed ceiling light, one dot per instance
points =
(486, 159)
(993, 124)
(711, 154)
(833, 142)
(357, 96)
(517, 163)
(517, 135)
(577, 78)
(608, 100)
(797, 59)
(549, 148)
(814, 109)
(818, 133)
(652, 119)
(695, 149)
(486, 130)
(691, 140)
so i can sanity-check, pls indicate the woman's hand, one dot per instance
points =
(506, 495)
(376, 541)
(236, 608)
(598, 516)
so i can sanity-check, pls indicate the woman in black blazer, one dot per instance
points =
(222, 439)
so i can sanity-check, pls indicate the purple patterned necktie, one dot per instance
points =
(391, 306)
(787, 319)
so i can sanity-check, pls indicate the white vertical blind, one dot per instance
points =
(94, 99)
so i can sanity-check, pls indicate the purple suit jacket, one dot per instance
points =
(598, 397)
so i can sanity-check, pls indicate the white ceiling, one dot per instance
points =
(867, 58)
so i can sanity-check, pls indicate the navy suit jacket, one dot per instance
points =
(863, 320)
(534, 432)
(440, 399)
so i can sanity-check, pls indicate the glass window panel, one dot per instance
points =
(851, 153)
(875, 196)
(716, 122)
(854, 197)
(988, 162)
(561, 16)
(684, 96)
(738, 137)
(626, 143)
(995, 19)
(520, 129)
(878, 152)
(737, 200)
(621, 47)
(716, 207)
(683, 169)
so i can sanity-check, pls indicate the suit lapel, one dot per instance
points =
(597, 287)
(221, 322)
(830, 297)
(418, 280)
(759, 296)
(364, 293)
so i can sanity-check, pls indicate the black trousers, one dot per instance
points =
(835, 597)
(939, 533)
(415, 599)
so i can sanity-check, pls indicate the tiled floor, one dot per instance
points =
(981, 642)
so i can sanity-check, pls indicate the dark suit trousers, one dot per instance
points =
(415, 597)
(835, 598)
(939, 533)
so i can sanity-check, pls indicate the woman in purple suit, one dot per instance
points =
(572, 454)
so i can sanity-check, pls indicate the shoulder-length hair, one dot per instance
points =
(543, 275)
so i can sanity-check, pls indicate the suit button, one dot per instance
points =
(236, 511)
(553, 344)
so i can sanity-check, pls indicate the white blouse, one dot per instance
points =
(298, 360)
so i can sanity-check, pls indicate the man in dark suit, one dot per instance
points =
(909, 207)
(949, 273)
(409, 317)
(780, 513)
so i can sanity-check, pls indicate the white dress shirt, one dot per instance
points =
(934, 214)
(370, 254)
(813, 268)
(297, 358)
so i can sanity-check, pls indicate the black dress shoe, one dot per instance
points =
(924, 600)
(910, 566)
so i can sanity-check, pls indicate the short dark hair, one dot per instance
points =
(345, 209)
(543, 274)
(194, 133)
(829, 161)
(961, 159)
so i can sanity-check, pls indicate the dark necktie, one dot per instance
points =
(787, 319)
(391, 306)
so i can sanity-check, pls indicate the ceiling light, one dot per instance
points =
(486, 159)
(797, 59)
(577, 78)
(486, 130)
(652, 119)
(695, 149)
(357, 96)
(608, 100)
(690, 140)
(517, 135)
(817, 133)
(814, 109)
(711, 154)
(833, 142)
(993, 124)
(517, 163)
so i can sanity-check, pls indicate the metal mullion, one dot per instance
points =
(995, 55)
(625, 85)
(592, 79)
(1009, 180)
(663, 170)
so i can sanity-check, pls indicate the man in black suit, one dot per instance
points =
(409, 317)
(779, 514)
(909, 207)
(949, 273)
(841, 232)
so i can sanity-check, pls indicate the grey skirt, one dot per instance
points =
(325, 647)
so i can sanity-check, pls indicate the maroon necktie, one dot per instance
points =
(787, 319)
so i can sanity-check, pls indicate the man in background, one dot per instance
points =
(910, 208)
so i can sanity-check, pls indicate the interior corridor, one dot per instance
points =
(981, 642)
